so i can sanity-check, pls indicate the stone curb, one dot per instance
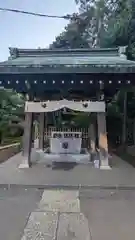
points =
(71, 187)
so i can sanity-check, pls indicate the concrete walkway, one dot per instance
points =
(122, 175)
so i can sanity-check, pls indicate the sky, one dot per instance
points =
(17, 30)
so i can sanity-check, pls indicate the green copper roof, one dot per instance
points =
(22, 61)
(76, 60)
(28, 57)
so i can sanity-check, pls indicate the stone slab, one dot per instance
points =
(105, 167)
(41, 226)
(73, 226)
(43, 157)
(66, 206)
(23, 165)
(60, 201)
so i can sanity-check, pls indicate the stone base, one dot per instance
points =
(24, 165)
(49, 158)
(107, 167)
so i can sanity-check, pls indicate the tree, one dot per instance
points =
(11, 111)
(114, 26)
(118, 24)
(88, 28)
(105, 23)
(98, 14)
(72, 37)
(131, 31)
(110, 23)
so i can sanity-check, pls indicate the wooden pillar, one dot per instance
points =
(41, 130)
(27, 141)
(33, 132)
(102, 139)
(92, 137)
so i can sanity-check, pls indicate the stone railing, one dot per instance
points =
(8, 151)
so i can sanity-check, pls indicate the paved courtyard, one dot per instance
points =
(15, 207)
(104, 212)
(66, 215)
(121, 175)
(111, 215)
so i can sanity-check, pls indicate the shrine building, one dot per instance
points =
(53, 80)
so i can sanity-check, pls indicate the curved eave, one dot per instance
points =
(98, 68)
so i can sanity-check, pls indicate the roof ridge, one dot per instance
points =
(20, 52)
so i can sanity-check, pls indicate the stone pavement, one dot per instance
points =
(71, 176)
(111, 214)
(86, 215)
(96, 214)
(58, 217)
(15, 206)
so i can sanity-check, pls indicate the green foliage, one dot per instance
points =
(104, 23)
(72, 37)
(100, 23)
(81, 120)
(11, 112)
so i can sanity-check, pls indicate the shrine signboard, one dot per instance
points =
(66, 142)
